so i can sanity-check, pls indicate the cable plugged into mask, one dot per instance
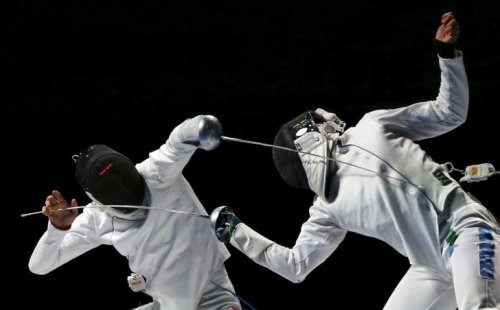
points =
(473, 173)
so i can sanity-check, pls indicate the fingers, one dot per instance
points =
(453, 27)
(45, 211)
(453, 31)
(49, 211)
(449, 30)
(58, 196)
(56, 200)
(49, 208)
(74, 204)
(51, 201)
(55, 209)
(447, 17)
(449, 22)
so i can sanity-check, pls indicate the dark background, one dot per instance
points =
(125, 73)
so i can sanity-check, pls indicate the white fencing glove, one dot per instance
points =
(332, 119)
(203, 131)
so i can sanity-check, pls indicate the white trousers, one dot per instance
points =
(216, 295)
(472, 281)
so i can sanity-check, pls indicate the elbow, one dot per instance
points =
(460, 118)
(36, 269)
(287, 263)
(453, 118)
(451, 108)
(295, 273)
(461, 114)
(40, 272)
(455, 121)
(296, 278)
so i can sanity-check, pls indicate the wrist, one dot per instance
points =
(445, 50)
(60, 226)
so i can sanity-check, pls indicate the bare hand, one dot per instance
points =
(449, 30)
(60, 219)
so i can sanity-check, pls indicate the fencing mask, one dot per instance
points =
(109, 177)
(308, 130)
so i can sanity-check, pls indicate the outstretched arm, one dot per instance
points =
(318, 239)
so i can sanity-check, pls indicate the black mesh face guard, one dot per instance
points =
(110, 177)
(288, 163)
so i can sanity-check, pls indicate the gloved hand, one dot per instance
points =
(223, 222)
(334, 121)
(327, 115)
(203, 131)
(210, 132)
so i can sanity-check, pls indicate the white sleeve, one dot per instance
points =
(57, 247)
(432, 118)
(318, 238)
(167, 163)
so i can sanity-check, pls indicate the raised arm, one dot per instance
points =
(449, 110)
(167, 163)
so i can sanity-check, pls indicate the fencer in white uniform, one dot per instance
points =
(383, 185)
(181, 261)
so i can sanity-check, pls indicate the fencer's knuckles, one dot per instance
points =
(210, 132)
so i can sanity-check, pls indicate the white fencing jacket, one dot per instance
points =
(177, 254)
(400, 199)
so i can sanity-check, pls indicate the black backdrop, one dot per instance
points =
(124, 73)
